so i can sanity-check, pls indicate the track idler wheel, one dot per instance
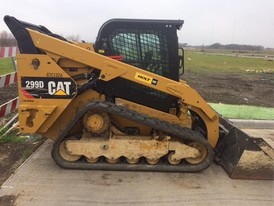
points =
(201, 157)
(66, 155)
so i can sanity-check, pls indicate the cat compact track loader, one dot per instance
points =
(119, 104)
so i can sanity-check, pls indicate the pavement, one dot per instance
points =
(257, 128)
(39, 181)
(253, 124)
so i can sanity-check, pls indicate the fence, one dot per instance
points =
(7, 79)
(6, 52)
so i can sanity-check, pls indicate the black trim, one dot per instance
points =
(137, 93)
(167, 27)
(25, 43)
(161, 23)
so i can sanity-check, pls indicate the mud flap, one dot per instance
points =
(242, 156)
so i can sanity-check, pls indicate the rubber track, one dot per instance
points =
(171, 129)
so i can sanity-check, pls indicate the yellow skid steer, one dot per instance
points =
(119, 104)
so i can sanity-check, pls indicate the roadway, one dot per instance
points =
(39, 181)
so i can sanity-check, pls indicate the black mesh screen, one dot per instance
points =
(146, 49)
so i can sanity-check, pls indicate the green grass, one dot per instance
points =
(202, 62)
(6, 66)
(244, 111)
(11, 137)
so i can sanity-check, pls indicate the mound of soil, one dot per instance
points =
(249, 89)
(7, 93)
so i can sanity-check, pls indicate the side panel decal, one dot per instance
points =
(48, 88)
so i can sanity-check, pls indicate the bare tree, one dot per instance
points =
(73, 37)
(7, 39)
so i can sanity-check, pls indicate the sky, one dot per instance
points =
(206, 21)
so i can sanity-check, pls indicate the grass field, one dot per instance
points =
(201, 62)
(6, 66)
(204, 62)
(244, 112)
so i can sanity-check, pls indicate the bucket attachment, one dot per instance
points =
(242, 156)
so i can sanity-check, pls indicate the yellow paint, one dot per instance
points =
(56, 49)
(60, 92)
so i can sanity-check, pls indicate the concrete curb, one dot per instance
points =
(253, 124)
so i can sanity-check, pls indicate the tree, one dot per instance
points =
(7, 39)
(73, 37)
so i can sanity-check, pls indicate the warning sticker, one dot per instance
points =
(145, 78)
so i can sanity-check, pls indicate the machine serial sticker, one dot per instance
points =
(48, 88)
(54, 75)
(145, 78)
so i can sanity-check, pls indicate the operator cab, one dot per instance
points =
(150, 45)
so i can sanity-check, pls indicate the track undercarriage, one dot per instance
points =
(103, 146)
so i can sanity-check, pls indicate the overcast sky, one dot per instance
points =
(206, 21)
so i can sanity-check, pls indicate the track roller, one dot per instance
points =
(171, 160)
(92, 160)
(112, 160)
(152, 161)
(201, 157)
(132, 160)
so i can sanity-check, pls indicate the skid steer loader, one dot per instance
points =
(119, 104)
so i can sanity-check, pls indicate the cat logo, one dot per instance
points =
(48, 88)
(59, 88)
